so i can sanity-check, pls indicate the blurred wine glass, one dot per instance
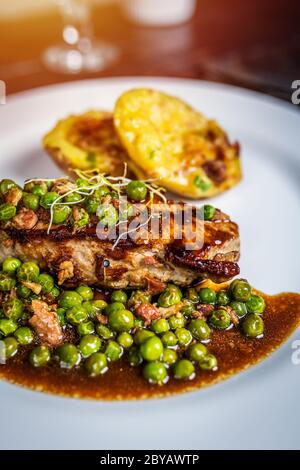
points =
(79, 51)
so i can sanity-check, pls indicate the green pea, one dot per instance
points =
(48, 199)
(169, 356)
(55, 292)
(6, 283)
(113, 351)
(23, 291)
(138, 297)
(31, 201)
(114, 307)
(107, 215)
(184, 336)
(223, 297)
(199, 329)
(209, 362)
(83, 183)
(151, 349)
(85, 292)
(40, 356)
(11, 265)
(10, 347)
(89, 344)
(96, 364)
(86, 328)
(184, 369)
(102, 191)
(196, 352)
(207, 295)
(82, 218)
(160, 326)
(61, 315)
(241, 291)
(177, 321)
(136, 190)
(47, 282)
(13, 309)
(7, 326)
(61, 214)
(125, 340)
(91, 205)
(155, 372)
(68, 356)
(70, 299)
(142, 335)
(121, 320)
(134, 357)
(256, 304)
(39, 189)
(94, 307)
(126, 211)
(7, 212)
(118, 296)
(188, 309)
(24, 335)
(192, 295)
(6, 185)
(220, 319)
(208, 212)
(76, 315)
(253, 325)
(72, 198)
(103, 331)
(171, 296)
(28, 272)
(239, 308)
(169, 339)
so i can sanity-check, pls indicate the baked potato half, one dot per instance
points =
(171, 142)
(89, 141)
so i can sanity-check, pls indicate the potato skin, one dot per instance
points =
(171, 142)
(88, 141)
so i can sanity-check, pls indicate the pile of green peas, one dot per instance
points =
(87, 197)
(105, 331)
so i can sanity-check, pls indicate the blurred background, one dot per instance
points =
(255, 44)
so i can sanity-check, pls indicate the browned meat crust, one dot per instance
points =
(136, 262)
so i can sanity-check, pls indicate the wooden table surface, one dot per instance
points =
(196, 49)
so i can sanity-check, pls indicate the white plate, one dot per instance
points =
(256, 409)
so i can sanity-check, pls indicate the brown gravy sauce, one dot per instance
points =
(234, 351)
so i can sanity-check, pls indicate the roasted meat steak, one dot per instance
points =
(141, 260)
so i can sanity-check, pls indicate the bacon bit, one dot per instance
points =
(13, 196)
(150, 260)
(233, 316)
(166, 312)
(203, 310)
(63, 186)
(26, 219)
(66, 271)
(154, 286)
(147, 313)
(36, 288)
(8, 243)
(102, 318)
(45, 323)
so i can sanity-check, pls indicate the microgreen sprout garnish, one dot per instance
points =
(89, 182)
